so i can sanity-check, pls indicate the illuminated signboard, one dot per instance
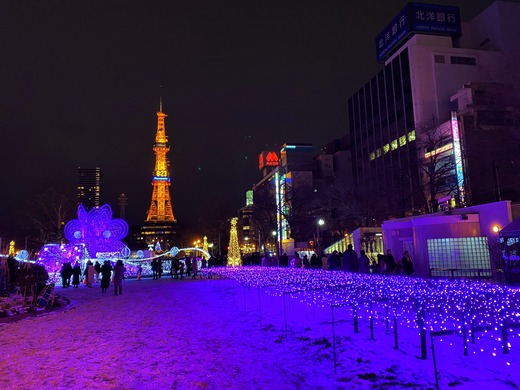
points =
(417, 18)
(267, 159)
(457, 153)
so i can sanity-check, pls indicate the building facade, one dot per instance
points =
(424, 66)
(89, 188)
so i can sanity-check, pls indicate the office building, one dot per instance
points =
(428, 56)
(89, 189)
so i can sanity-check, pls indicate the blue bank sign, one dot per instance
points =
(417, 18)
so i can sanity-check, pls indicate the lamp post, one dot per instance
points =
(319, 225)
(274, 240)
(196, 245)
(246, 244)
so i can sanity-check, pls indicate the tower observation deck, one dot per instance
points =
(161, 205)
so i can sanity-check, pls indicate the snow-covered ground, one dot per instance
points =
(217, 334)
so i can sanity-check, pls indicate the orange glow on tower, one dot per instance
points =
(161, 206)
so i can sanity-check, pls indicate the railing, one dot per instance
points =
(469, 273)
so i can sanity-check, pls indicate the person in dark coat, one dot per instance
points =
(76, 273)
(284, 260)
(63, 274)
(106, 272)
(119, 274)
(334, 261)
(407, 263)
(154, 265)
(390, 262)
(97, 267)
(349, 260)
(315, 262)
(66, 274)
(306, 262)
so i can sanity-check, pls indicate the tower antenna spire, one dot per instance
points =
(160, 103)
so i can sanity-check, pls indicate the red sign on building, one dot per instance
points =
(267, 159)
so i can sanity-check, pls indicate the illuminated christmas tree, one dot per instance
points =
(234, 258)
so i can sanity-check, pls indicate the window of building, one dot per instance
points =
(402, 140)
(411, 136)
(393, 144)
(456, 60)
(439, 59)
(461, 257)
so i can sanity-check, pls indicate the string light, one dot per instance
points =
(474, 310)
(233, 258)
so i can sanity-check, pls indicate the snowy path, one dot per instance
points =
(158, 334)
(207, 334)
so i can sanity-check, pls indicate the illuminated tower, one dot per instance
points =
(161, 206)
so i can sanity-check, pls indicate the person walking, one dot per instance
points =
(119, 274)
(106, 272)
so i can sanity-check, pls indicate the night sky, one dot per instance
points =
(81, 81)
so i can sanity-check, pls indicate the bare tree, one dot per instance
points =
(264, 211)
(436, 164)
(49, 212)
(346, 209)
(295, 205)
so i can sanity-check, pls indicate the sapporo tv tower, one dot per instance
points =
(160, 229)
(161, 205)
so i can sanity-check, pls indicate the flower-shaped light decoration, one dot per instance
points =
(97, 230)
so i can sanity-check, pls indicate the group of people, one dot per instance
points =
(347, 261)
(179, 268)
(385, 264)
(91, 274)
(70, 275)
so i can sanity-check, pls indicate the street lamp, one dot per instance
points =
(246, 244)
(274, 233)
(319, 225)
(196, 245)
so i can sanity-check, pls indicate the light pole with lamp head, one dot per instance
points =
(319, 224)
